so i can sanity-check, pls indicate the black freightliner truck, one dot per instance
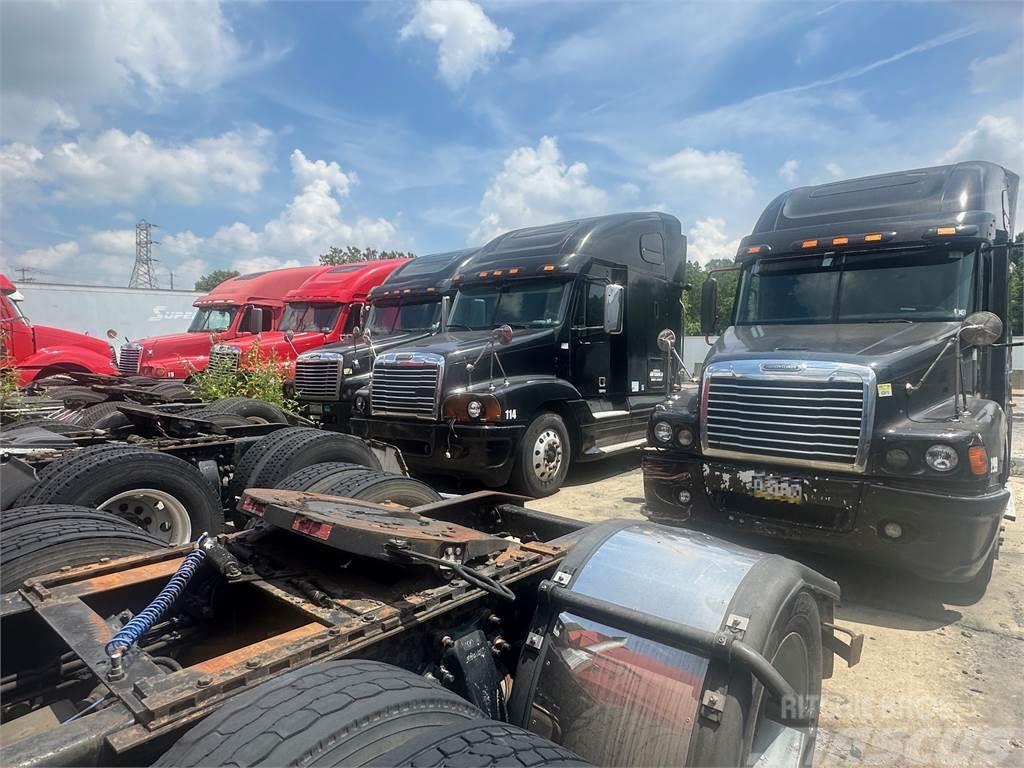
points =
(404, 308)
(857, 401)
(549, 355)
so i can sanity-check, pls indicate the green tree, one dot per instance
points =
(696, 274)
(207, 283)
(1017, 286)
(351, 253)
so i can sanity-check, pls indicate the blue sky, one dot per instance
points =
(258, 134)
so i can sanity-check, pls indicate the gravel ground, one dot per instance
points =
(940, 683)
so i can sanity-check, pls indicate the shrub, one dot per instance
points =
(259, 375)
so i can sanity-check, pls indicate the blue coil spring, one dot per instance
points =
(130, 633)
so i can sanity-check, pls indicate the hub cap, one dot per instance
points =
(547, 455)
(157, 512)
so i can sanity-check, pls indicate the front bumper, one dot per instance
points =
(945, 537)
(334, 415)
(483, 452)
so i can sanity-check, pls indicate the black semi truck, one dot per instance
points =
(549, 355)
(404, 308)
(857, 401)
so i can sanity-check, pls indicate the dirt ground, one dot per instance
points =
(941, 683)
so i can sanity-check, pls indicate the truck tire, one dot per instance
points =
(320, 474)
(88, 417)
(217, 417)
(44, 539)
(255, 411)
(313, 446)
(381, 487)
(479, 744)
(52, 425)
(166, 496)
(332, 713)
(172, 390)
(253, 455)
(543, 457)
(76, 393)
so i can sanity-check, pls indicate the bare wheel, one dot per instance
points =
(547, 455)
(157, 512)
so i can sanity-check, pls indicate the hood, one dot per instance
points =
(352, 352)
(174, 345)
(472, 343)
(890, 348)
(47, 336)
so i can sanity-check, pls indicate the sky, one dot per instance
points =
(259, 134)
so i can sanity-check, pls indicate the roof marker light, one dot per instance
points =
(549, 268)
(873, 237)
(841, 240)
(943, 231)
(497, 273)
(514, 271)
(407, 290)
(430, 290)
(809, 244)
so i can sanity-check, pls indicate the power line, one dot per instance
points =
(144, 270)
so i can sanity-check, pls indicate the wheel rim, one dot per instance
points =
(783, 744)
(157, 512)
(547, 455)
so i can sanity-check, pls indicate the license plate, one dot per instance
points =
(315, 409)
(775, 488)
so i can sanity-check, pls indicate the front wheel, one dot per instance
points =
(543, 457)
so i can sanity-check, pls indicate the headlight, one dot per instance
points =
(474, 408)
(685, 437)
(360, 404)
(941, 458)
(663, 432)
(897, 458)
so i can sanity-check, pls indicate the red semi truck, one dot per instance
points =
(321, 311)
(38, 350)
(237, 308)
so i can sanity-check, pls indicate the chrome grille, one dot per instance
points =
(817, 415)
(128, 362)
(406, 384)
(317, 378)
(223, 360)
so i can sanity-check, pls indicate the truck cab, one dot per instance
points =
(856, 401)
(548, 357)
(321, 311)
(39, 350)
(242, 306)
(404, 308)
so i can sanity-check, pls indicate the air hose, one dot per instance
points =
(130, 633)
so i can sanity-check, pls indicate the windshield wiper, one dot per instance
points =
(893, 320)
(462, 325)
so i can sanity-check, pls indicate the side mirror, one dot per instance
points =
(709, 307)
(667, 340)
(982, 329)
(364, 313)
(111, 333)
(614, 302)
(502, 334)
(289, 335)
(254, 320)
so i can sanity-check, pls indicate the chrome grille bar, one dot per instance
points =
(317, 378)
(128, 361)
(406, 384)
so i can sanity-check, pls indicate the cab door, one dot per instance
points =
(15, 333)
(591, 348)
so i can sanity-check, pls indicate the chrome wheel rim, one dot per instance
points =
(774, 743)
(157, 512)
(547, 455)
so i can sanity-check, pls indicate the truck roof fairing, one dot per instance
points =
(649, 241)
(262, 287)
(429, 274)
(344, 282)
(971, 201)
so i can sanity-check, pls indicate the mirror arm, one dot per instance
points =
(682, 365)
(912, 388)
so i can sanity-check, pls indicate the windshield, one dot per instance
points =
(16, 308)
(305, 317)
(855, 288)
(387, 319)
(520, 304)
(214, 320)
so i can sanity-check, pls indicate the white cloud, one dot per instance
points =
(811, 45)
(999, 139)
(306, 172)
(536, 186)
(120, 167)
(708, 240)
(718, 171)
(993, 72)
(834, 170)
(64, 59)
(789, 170)
(467, 40)
(311, 223)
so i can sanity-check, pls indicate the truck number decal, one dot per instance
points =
(510, 414)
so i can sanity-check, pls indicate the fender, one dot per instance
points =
(68, 358)
(524, 395)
